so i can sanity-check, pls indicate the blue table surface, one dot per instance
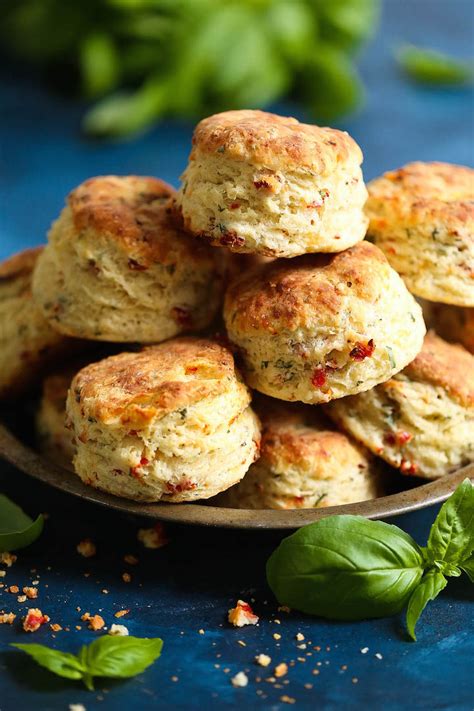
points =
(190, 584)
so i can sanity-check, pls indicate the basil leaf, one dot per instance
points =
(120, 656)
(431, 67)
(429, 588)
(346, 567)
(468, 567)
(114, 657)
(60, 663)
(99, 64)
(123, 113)
(451, 538)
(17, 530)
(330, 84)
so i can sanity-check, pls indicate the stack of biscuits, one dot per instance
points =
(277, 356)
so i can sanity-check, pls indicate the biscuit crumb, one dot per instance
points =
(21, 598)
(118, 630)
(86, 548)
(31, 593)
(300, 637)
(242, 614)
(276, 636)
(96, 622)
(287, 699)
(121, 613)
(14, 589)
(281, 669)
(8, 558)
(7, 618)
(284, 608)
(155, 537)
(77, 707)
(263, 659)
(240, 679)
(130, 559)
(34, 619)
(55, 627)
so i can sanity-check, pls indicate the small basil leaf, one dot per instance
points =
(431, 67)
(120, 656)
(60, 663)
(451, 538)
(468, 567)
(430, 586)
(17, 530)
(346, 567)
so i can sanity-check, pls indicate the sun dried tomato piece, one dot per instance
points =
(181, 316)
(318, 379)
(184, 485)
(408, 467)
(362, 351)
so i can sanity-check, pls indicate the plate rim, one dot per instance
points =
(31, 462)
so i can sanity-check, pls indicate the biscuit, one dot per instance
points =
(454, 323)
(304, 463)
(170, 423)
(55, 439)
(422, 217)
(262, 183)
(117, 269)
(28, 344)
(421, 420)
(321, 327)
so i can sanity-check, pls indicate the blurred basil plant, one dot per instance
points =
(139, 60)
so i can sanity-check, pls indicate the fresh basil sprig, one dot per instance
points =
(350, 568)
(114, 657)
(17, 530)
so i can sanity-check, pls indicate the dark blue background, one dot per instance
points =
(191, 583)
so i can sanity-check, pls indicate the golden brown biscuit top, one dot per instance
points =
(275, 141)
(135, 388)
(421, 189)
(295, 434)
(292, 293)
(19, 264)
(135, 212)
(445, 365)
(15, 274)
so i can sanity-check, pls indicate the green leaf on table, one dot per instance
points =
(112, 657)
(451, 539)
(17, 529)
(429, 588)
(61, 663)
(347, 568)
(431, 67)
(120, 656)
